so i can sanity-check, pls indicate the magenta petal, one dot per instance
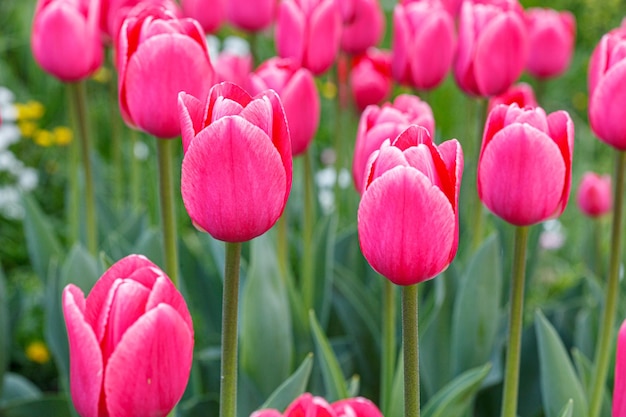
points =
(290, 32)
(303, 121)
(148, 372)
(435, 46)
(191, 112)
(619, 389)
(165, 292)
(606, 107)
(324, 37)
(356, 407)
(268, 412)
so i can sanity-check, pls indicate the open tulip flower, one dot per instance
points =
(130, 340)
(525, 163)
(408, 214)
(313, 406)
(237, 168)
(363, 25)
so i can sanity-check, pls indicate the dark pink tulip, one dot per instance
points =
(298, 93)
(594, 196)
(363, 25)
(408, 214)
(607, 95)
(492, 47)
(309, 405)
(619, 389)
(356, 407)
(551, 36)
(370, 78)
(159, 56)
(521, 93)
(268, 412)
(114, 12)
(251, 15)
(131, 342)
(236, 172)
(387, 122)
(309, 31)
(209, 13)
(65, 39)
(423, 43)
(525, 164)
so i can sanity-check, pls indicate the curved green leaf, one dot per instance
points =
(292, 387)
(54, 406)
(567, 410)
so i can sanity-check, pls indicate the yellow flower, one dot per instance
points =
(27, 128)
(31, 110)
(103, 75)
(328, 90)
(43, 138)
(37, 351)
(63, 135)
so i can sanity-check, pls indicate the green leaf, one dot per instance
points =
(396, 402)
(325, 236)
(568, 409)
(456, 398)
(5, 343)
(53, 406)
(17, 388)
(559, 382)
(292, 387)
(334, 381)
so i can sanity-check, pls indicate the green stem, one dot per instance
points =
(73, 211)
(308, 255)
(282, 245)
(603, 347)
(228, 387)
(511, 375)
(79, 94)
(411, 351)
(166, 201)
(479, 213)
(135, 173)
(116, 133)
(388, 351)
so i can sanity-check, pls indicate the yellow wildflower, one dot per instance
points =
(103, 75)
(38, 352)
(43, 138)
(63, 135)
(27, 128)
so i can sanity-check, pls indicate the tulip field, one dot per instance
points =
(303, 208)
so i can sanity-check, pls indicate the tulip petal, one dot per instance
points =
(302, 122)
(225, 89)
(290, 35)
(164, 292)
(619, 389)
(268, 412)
(308, 405)
(324, 37)
(561, 129)
(356, 407)
(606, 107)
(191, 112)
(434, 47)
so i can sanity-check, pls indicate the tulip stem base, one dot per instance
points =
(388, 361)
(603, 347)
(411, 351)
(511, 372)
(166, 201)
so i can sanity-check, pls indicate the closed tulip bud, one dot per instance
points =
(309, 31)
(380, 123)
(66, 39)
(298, 93)
(114, 12)
(237, 168)
(251, 15)
(209, 13)
(370, 78)
(521, 94)
(363, 25)
(551, 37)
(130, 342)
(492, 47)
(424, 43)
(159, 56)
(594, 195)
(619, 389)
(408, 214)
(607, 95)
(525, 164)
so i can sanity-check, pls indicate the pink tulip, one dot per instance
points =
(251, 15)
(236, 172)
(159, 56)
(309, 31)
(408, 215)
(370, 78)
(209, 13)
(130, 341)
(114, 12)
(607, 95)
(619, 389)
(298, 93)
(423, 43)
(65, 39)
(380, 123)
(525, 163)
(551, 41)
(594, 195)
(233, 67)
(492, 48)
(363, 25)
(312, 406)
(356, 407)
(521, 93)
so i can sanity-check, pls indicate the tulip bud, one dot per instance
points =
(363, 25)
(251, 15)
(370, 78)
(594, 195)
(209, 13)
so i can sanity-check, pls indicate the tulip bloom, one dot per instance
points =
(408, 215)
(309, 32)
(363, 25)
(298, 93)
(209, 13)
(619, 389)
(551, 41)
(525, 164)
(380, 123)
(424, 43)
(312, 406)
(237, 168)
(370, 78)
(131, 342)
(114, 12)
(65, 39)
(159, 56)
(594, 195)
(492, 48)
(251, 15)
(521, 93)
(607, 95)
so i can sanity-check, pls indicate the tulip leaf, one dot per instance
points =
(5, 343)
(568, 409)
(334, 381)
(325, 236)
(292, 387)
(559, 382)
(17, 388)
(456, 397)
(53, 406)
(395, 407)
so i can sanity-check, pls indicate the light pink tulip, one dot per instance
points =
(525, 164)
(298, 93)
(408, 215)
(551, 37)
(607, 95)
(251, 15)
(423, 45)
(237, 169)
(380, 123)
(130, 341)
(363, 25)
(209, 13)
(594, 196)
(309, 31)
(619, 389)
(492, 47)
(65, 39)
(159, 56)
(370, 78)
(521, 93)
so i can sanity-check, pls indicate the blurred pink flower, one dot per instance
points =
(363, 25)
(521, 94)
(594, 196)
(370, 78)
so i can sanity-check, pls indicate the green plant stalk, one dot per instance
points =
(479, 213)
(411, 351)
(166, 201)
(511, 370)
(282, 243)
(388, 351)
(230, 299)
(79, 95)
(73, 210)
(116, 139)
(308, 254)
(135, 172)
(603, 346)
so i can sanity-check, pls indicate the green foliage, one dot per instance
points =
(292, 387)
